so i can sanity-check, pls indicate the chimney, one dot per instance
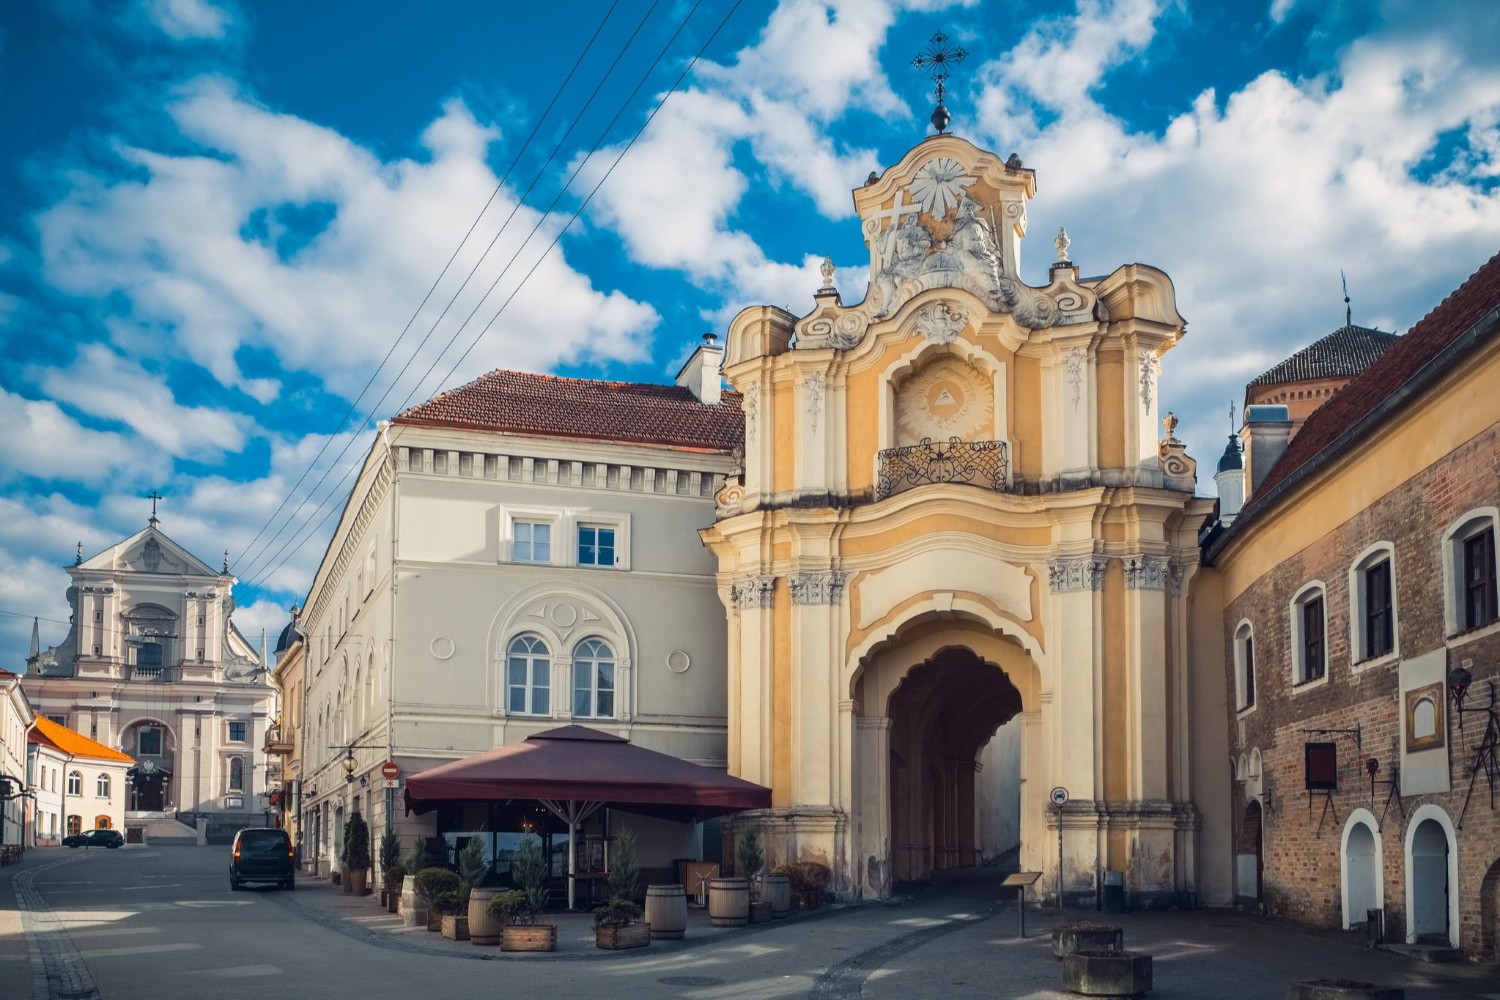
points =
(700, 375)
(1264, 435)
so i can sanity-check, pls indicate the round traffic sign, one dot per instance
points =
(1059, 795)
(389, 769)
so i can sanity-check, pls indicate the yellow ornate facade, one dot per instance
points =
(955, 514)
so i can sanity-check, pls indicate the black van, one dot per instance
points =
(262, 855)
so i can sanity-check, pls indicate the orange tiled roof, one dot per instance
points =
(75, 744)
(642, 413)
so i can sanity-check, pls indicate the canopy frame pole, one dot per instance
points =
(571, 812)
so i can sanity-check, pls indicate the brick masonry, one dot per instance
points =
(1301, 863)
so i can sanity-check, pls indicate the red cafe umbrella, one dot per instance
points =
(573, 770)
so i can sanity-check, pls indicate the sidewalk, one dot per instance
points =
(955, 939)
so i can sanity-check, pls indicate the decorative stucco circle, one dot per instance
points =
(678, 661)
(563, 615)
(442, 647)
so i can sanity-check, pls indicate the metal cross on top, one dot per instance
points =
(936, 62)
(154, 496)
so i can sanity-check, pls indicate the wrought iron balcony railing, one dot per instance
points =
(979, 463)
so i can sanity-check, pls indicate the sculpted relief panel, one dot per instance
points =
(946, 399)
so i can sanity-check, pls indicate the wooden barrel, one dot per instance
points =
(777, 889)
(483, 928)
(728, 902)
(666, 911)
(413, 907)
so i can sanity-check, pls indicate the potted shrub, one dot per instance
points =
(356, 853)
(392, 871)
(807, 879)
(438, 887)
(751, 859)
(617, 923)
(520, 908)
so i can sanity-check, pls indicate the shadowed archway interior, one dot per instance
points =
(942, 714)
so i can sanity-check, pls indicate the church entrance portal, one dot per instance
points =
(941, 716)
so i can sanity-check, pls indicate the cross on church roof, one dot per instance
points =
(939, 58)
(154, 496)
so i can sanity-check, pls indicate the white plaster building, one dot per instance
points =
(46, 767)
(15, 718)
(517, 554)
(86, 784)
(152, 665)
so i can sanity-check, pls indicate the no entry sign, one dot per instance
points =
(389, 769)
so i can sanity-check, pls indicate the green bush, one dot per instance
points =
(390, 854)
(617, 913)
(433, 884)
(529, 868)
(416, 858)
(356, 852)
(748, 852)
(624, 867)
(512, 906)
(472, 867)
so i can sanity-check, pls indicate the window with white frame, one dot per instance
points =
(528, 669)
(237, 732)
(1469, 571)
(1309, 635)
(101, 787)
(596, 545)
(75, 783)
(593, 679)
(531, 541)
(1372, 603)
(1244, 667)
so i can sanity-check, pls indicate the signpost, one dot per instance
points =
(391, 780)
(1021, 880)
(1059, 796)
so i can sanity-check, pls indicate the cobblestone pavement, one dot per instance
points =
(161, 922)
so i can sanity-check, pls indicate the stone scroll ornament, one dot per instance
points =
(754, 592)
(817, 588)
(1075, 573)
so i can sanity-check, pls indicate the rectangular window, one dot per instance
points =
(1249, 672)
(596, 545)
(1479, 579)
(1379, 636)
(532, 542)
(61, 720)
(150, 742)
(237, 732)
(1313, 666)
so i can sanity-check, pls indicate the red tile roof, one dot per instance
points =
(1320, 436)
(74, 743)
(547, 405)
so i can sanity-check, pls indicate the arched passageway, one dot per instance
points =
(1248, 855)
(941, 716)
(1429, 883)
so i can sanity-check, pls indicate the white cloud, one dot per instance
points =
(1253, 202)
(294, 239)
(43, 442)
(189, 19)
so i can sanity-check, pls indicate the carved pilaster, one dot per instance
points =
(1076, 573)
(1146, 572)
(817, 588)
(753, 592)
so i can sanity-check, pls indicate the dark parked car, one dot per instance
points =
(95, 838)
(262, 855)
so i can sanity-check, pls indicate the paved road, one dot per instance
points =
(161, 923)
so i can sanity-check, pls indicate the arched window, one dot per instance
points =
(1469, 577)
(75, 783)
(102, 823)
(75, 825)
(1244, 667)
(1309, 635)
(593, 679)
(528, 666)
(1372, 603)
(236, 774)
(101, 787)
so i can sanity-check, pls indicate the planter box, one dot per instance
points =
(529, 937)
(760, 911)
(392, 900)
(613, 937)
(434, 919)
(808, 899)
(455, 928)
(1107, 973)
(1342, 989)
(1068, 938)
(384, 896)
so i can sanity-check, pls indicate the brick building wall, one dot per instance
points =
(1301, 845)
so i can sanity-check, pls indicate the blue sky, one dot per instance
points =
(219, 218)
